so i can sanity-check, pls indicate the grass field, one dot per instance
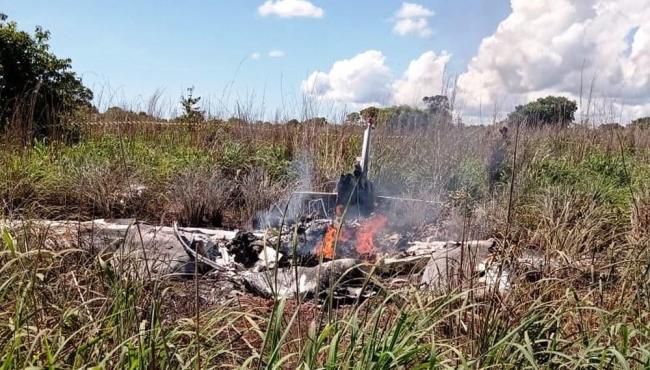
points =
(568, 193)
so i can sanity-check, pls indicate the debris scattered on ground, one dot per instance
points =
(364, 255)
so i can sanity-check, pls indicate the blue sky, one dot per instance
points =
(135, 47)
(354, 53)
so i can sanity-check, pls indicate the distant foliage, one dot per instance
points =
(316, 121)
(38, 91)
(353, 118)
(121, 114)
(438, 105)
(551, 110)
(611, 126)
(641, 123)
(439, 108)
(190, 104)
(405, 116)
(370, 113)
(402, 116)
(437, 112)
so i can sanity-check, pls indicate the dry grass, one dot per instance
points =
(202, 195)
(578, 193)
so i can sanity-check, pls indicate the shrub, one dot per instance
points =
(191, 111)
(545, 111)
(38, 91)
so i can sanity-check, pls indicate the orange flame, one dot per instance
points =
(365, 245)
(366, 233)
(326, 247)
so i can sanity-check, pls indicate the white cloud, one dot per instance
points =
(255, 56)
(411, 10)
(290, 9)
(276, 54)
(559, 47)
(543, 47)
(363, 79)
(366, 80)
(423, 77)
(413, 19)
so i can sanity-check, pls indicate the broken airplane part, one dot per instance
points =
(355, 192)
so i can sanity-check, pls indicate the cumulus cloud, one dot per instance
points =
(412, 19)
(255, 56)
(560, 47)
(276, 54)
(544, 47)
(365, 79)
(423, 77)
(290, 9)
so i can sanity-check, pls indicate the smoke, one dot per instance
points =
(289, 210)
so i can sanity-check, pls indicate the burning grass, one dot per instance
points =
(578, 192)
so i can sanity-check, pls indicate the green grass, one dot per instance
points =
(578, 192)
(598, 173)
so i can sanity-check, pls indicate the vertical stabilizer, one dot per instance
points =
(365, 151)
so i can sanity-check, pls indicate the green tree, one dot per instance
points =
(353, 118)
(370, 113)
(190, 104)
(439, 109)
(550, 110)
(39, 94)
(438, 105)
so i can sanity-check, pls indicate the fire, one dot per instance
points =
(366, 233)
(364, 238)
(327, 246)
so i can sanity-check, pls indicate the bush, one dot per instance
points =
(191, 111)
(38, 91)
(545, 111)
(234, 158)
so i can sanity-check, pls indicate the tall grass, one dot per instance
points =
(580, 195)
(68, 308)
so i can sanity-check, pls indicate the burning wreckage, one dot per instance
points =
(350, 255)
(354, 254)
